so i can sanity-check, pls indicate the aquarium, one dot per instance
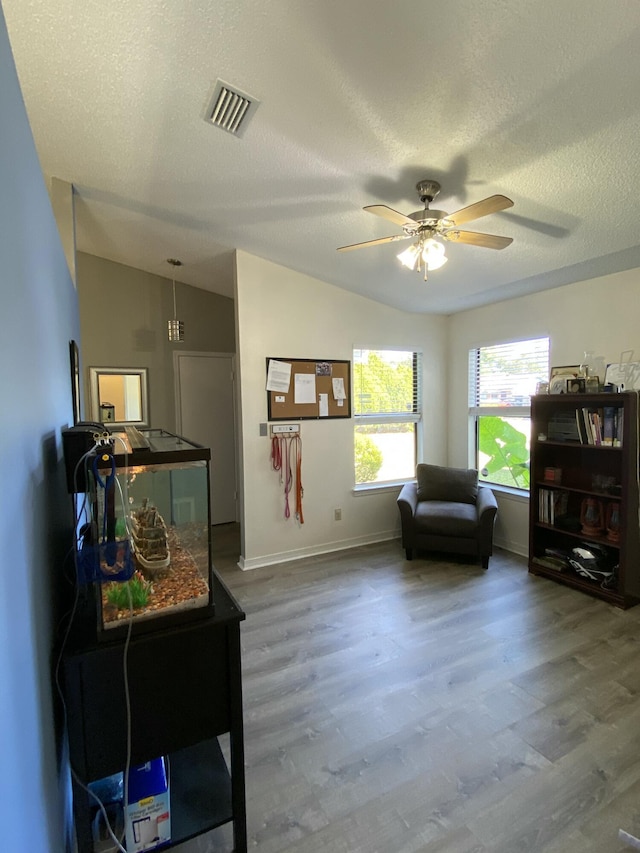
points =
(145, 546)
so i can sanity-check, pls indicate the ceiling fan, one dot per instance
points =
(425, 225)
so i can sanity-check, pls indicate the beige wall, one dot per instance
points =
(287, 314)
(123, 316)
(600, 315)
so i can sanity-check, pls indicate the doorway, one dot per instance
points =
(205, 413)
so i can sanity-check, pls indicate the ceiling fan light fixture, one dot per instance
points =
(409, 258)
(427, 251)
(433, 254)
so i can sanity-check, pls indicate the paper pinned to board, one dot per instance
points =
(278, 375)
(323, 405)
(304, 388)
(338, 389)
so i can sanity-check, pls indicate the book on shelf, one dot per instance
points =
(619, 422)
(552, 505)
(583, 436)
(600, 426)
(608, 425)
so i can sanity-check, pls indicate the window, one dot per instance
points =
(502, 379)
(387, 403)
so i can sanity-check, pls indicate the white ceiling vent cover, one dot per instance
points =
(230, 109)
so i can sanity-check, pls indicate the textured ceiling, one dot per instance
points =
(534, 99)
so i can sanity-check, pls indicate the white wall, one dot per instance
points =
(282, 313)
(599, 315)
(39, 317)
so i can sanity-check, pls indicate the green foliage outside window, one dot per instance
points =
(506, 447)
(368, 459)
(382, 386)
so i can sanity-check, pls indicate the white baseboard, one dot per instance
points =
(316, 550)
(513, 547)
(345, 544)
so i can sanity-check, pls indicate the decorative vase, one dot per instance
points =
(591, 517)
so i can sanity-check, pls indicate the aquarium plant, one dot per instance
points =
(132, 593)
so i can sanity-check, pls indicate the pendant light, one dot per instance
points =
(175, 327)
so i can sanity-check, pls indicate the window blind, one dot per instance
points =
(506, 374)
(387, 383)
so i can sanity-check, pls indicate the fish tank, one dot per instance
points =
(145, 545)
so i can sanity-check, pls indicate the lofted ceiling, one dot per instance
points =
(359, 100)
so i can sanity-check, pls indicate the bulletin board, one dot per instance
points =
(311, 392)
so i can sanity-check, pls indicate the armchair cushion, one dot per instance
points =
(459, 485)
(443, 518)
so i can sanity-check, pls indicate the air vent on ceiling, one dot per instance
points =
(230, 109)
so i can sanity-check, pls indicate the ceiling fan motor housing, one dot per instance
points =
(427, 217)
(427, 190)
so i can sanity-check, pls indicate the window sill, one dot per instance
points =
(517, 495)
(377, 488)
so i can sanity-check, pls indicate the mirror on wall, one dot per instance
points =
(119, 395)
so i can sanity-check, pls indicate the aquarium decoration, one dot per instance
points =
(149, 534)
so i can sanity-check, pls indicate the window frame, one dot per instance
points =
(374, 418)
(506, 411)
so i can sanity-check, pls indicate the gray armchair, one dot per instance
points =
(446, 510)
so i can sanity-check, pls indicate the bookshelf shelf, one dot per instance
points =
(588, 499)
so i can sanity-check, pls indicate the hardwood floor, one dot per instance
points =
(395, 707)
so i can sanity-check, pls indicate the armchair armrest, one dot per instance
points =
(487, 507)
(408, 500)
(407, 503)
(486, 502)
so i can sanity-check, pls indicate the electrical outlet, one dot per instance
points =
(337, 514)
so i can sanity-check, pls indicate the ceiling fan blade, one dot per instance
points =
(374, 242)
(493, 204)
(474, 238)
(390, 214)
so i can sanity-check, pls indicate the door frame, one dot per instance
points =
(177, 354)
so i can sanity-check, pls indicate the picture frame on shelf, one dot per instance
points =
(576, 385)
(625, 376)
(559, 376)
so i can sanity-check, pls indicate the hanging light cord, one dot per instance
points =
(175, 310)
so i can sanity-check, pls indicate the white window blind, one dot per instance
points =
(387, 384)
(506, 375)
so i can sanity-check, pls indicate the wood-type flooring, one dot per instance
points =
(396, 707)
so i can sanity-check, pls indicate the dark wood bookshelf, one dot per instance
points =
(606, 474)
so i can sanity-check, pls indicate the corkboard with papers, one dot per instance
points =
(303, 389)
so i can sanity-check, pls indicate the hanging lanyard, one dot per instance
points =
(286, 456)
(296, 443)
